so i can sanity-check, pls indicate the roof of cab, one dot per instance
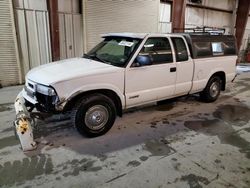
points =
(130, 35)
(194, 36)
(137, 35)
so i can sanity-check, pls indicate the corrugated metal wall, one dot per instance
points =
(33, 33)
(118, 16)
(9, 63)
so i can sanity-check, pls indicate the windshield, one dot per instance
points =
(114, 50)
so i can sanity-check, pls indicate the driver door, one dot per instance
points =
(154, 81)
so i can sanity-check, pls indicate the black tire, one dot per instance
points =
(212, 90)
(94, 115)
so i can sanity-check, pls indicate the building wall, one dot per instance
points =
(118, 16)
(33, 33)
(70, 28)
(9, 62)
(212, 18)
(200, 17)
(246, 37)
(203, 17)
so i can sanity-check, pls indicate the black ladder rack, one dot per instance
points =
(202, 30)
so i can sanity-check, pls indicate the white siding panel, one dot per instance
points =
(248, 23)
(69, 35)
(48, 37)
(35, 4)
(119, 16)
(165, 12)
(9, 62)
(32, 39)
(75, 6)
(78, 38)
(246, 37)
(200, 17)
(62, 38)
(22, 41)
(43, 37)
(165, 25)
(217, 19)
(223, 4)
(194, 16)
(18, 3)
(65, 6)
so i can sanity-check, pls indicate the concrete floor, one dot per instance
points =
(182, 143)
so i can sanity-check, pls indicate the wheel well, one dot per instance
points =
(222, 76)
(109, 93)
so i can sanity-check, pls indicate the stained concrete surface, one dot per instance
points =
(177, 143)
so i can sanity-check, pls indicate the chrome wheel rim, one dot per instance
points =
(96, 117)
(214, 89)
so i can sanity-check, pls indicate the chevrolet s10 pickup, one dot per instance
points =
(127, 70)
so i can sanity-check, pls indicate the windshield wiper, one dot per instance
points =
(94, 56)
(87, 56)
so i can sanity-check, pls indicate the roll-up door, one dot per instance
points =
(9, 64)
(118, 16)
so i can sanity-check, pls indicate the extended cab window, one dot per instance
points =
(202, 49)
(180, 49)
(229, 48)
(158, 50)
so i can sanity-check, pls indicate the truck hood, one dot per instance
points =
(68, 69)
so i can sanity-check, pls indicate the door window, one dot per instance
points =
(158, 50)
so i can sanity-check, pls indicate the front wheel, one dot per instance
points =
(94, 115)
(212, 90)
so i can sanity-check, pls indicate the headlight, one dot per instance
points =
(45, 90)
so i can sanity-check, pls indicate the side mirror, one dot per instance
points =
(143, 60)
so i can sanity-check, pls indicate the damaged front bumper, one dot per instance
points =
(23, 124)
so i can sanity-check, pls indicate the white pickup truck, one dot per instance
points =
(130, 69)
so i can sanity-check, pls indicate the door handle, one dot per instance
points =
(173, 69)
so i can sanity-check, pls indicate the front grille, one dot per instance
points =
(46, 102)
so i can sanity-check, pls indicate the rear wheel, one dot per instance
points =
(94, 115)
(212, 90)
